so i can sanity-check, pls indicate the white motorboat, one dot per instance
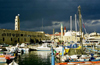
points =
(24, 47)
(43, 47)
(13, 48)
(18, 48)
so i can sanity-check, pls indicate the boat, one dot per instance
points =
(18, 48)
(83, 59)
(13, 49)
(2, 59)
(58, 49)
(44, 47)
(80, 63)
(23, 47)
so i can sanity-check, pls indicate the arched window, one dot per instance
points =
(18, 39)
(4, 34)
(11, 39)
(3, 39)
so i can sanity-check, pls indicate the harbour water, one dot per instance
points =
(34, 58)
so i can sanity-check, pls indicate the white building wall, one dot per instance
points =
(17, 23)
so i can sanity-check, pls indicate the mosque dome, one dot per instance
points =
(68, 33)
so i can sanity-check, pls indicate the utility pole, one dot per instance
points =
(53, 33)
(76, 27)
(80, 24)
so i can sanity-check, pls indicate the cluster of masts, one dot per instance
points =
(80, 25)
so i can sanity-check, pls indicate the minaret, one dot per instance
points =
(17, 22)
(61, 32)
(64, 30)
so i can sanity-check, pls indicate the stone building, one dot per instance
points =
(18, 36)
(13, 36)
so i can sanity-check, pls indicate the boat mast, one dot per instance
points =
(76, 27)
(80, 23)
(54, 34)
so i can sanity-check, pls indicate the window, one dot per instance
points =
(24, 39)
(21, 34)
(8, 34)
(11, 39)
(13, 35)
(18, 39)
(4, 34)
(39, 35)
(3, 39)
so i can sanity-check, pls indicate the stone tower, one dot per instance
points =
(17, 22)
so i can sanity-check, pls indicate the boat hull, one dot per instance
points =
(43, 49)
(2, 60)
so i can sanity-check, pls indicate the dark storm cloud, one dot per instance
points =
(33, 11)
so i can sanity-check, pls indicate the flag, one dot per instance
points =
(55, 51)
(83, 25)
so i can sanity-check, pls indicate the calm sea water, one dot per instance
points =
(34, 58)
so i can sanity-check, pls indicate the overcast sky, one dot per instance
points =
(53, 13)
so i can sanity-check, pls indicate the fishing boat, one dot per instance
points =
(4, 58)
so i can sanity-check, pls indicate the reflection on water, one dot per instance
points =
(34, 58)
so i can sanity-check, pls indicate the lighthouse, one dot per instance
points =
(17, 23)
